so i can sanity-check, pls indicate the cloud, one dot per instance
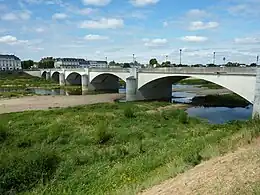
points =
(96, 2)
(247, 40)
(92, 37)
(199, 25)
(39, 30)
(165, 24)
(142, 3)
(155, 42)
(11, 40)
(18, 15)
(86, 11)
(59, 16)
(194, 39)
(197, 13)
(103, 23)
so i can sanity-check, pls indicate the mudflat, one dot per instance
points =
(47, 102)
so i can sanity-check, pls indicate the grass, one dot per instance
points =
(107, 148)
(200, 83)
(16, 85)
(224, 100)
(22, 81)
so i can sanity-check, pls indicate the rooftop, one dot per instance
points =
(9, 57)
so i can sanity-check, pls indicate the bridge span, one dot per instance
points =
(156, 83)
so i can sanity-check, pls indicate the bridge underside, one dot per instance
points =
(56, 77)
(44, 75)
(160, 89)
(73, 79)
(105, 83)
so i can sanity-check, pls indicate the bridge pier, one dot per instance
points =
(84, 83)
(48, 75)
(62, 79)
(131, 89)
(256, 106)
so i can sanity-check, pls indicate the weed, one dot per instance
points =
(129, 112)
(20, 173)
(103, 134)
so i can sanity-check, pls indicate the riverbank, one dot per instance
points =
(48, 102)
(110, 148)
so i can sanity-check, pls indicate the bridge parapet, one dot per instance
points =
(199, 70)
(109, 70)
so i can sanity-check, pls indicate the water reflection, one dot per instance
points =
(214, 115)
(219, 115)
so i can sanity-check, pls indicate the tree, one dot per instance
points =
(253, 65)
(113, 63)
(153, 61)
(27, 64)
(46, 63)
(166, 64)
(126, 65)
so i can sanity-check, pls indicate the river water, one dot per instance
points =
(214, 115)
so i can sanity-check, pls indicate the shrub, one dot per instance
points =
(129, 112)
(20, 173)
(103, 134)
(3, 133)
(183, 118)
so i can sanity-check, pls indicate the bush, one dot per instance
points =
(183, 117)
(129, 112)
(21, 173)
(103, 134)
(3, 133)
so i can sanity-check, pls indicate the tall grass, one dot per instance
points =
(97, 149)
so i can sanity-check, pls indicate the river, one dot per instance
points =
(214, 115)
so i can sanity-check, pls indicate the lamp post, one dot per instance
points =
(214, 58)
(133, 58)
(180, 56)
(224, 60)
(257, 59)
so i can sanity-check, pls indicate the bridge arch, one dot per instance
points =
(74, 78)
(160, 86)
(109, 82)
(43, 74)
(55, 76)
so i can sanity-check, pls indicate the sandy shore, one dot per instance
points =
(47, 102)
(203, 91)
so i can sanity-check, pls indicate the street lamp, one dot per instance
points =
(133, 58)
(166, 58)
(214, 58)
(224, 60)
(180, 55)
(257, 59)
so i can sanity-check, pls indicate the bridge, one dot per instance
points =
(156, 83)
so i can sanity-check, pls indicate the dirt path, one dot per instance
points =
(46, 102)
(233, 173)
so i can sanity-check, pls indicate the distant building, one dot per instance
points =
(10, 62)
(78, 63)
(97, 64)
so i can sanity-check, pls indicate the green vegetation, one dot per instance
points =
(107, 148)
(200, 83)
(22, 80)
(226, 100)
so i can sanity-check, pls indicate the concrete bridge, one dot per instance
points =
(145, 84)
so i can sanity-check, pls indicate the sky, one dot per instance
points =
(117, 29)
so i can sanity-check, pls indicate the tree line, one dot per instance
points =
(43, 63)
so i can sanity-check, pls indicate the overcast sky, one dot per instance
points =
(94, 29)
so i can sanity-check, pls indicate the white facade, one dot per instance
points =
(78, 63)
(97, 64)
(10, 62)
